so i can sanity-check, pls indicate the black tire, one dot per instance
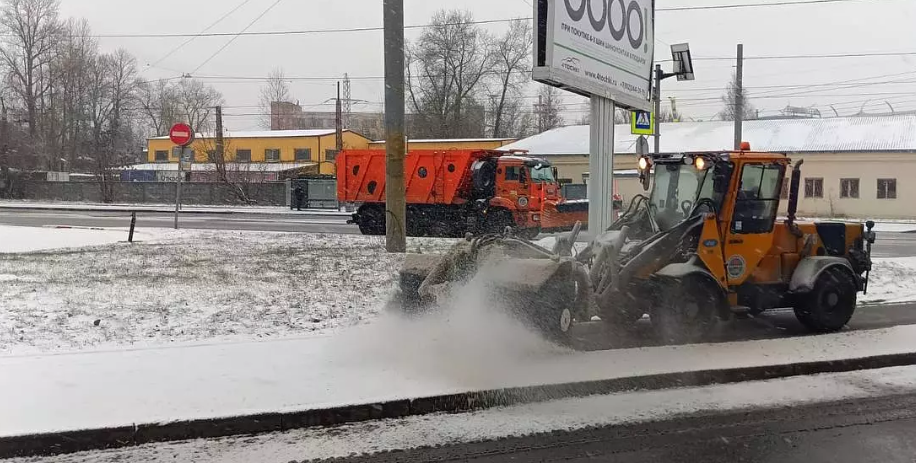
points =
(372, 221)
(830, 304)
(497, 221)
(687, 310)
(549, 311)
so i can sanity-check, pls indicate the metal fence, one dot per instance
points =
(317, 193)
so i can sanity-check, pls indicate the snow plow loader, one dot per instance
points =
(704, 246)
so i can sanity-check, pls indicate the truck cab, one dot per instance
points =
(453, 192)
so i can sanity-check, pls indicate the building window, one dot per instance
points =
(849, 188)
(814, 187)
(303, 154)
(162, 156)
(272, 155)
(330, 155)
(887, 188)
(243, 155)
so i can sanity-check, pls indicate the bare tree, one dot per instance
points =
(730, 101)
(30, 29)
(445, 70)
(511, 55)
(275, 90)
(197, 102)
(550, 102)
(158, 104)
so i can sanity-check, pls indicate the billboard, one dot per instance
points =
(597, 47)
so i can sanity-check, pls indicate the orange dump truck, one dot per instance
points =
(453, 192)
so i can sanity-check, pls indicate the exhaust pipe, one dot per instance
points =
(793, 198)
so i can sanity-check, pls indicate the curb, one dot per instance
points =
(141, 210)
(126, 436)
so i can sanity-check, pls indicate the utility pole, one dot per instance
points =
(339, 121)
(220, 142)
(657, 96)
(739, 97)
(395, 200)
(539, 110)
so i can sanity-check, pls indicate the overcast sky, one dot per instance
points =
(863, 26)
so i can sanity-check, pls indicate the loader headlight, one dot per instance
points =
(700, 163)
(523, 201)
(643, 163)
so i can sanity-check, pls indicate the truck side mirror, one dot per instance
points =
(556, 174)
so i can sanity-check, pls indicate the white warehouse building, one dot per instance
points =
(859, 167)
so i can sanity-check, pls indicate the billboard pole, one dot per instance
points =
(601, 165)
(395, 199)
(657, 96)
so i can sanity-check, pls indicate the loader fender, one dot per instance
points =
(810, 268)
(680, 272)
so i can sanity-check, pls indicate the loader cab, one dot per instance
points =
(685, 185)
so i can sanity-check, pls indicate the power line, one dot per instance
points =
(423, 26)
(753, 5)
(211, 26)
(252, 23)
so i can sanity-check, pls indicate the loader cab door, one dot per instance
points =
(749, 235)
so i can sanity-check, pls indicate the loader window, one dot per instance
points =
(758, 198)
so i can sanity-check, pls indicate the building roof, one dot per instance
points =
(850, 134)
(270, 134)
(234, 167)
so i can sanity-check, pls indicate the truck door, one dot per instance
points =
(750, 230)
(510, 181)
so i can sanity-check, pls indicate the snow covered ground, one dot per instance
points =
(185, 286)
(29, 239)
(82, 206)
(559, 415)
(217, 285)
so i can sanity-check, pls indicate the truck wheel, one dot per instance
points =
(498, 220)
(830, 305)
(372, 221)
(686, 311)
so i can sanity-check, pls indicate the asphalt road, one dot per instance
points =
(865, 430)
(307, 223)
(889, 244)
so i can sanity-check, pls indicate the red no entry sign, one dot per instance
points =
(181, 134)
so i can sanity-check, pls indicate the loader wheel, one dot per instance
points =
(830, 305)
(554, 316)
(686, 310)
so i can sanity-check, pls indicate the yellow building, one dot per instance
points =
(301, 148)
(451, 144)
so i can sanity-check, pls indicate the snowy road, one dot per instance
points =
(309, 223)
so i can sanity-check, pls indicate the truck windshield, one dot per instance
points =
(542, 174)
(677, 189)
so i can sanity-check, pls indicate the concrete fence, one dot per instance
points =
(262, 194)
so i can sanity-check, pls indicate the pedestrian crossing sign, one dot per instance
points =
(642, 123)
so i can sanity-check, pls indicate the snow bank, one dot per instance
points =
(892, 280)
(187, 286)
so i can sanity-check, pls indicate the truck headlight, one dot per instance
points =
(523, 201)
(535, 217)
